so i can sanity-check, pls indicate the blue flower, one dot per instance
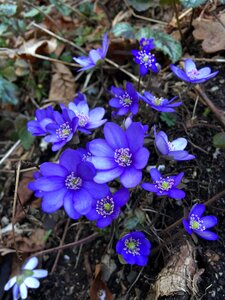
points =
(28, 278)
(105, 210)
(94, 56)
(159, 103)
(43, 118)
(87, 119)
(120, 154)
(134, 248)
(144, 57)
(191, 74)
(68, 183)
(125, 101)
(164, 186)
(199, 225)
(80, 97)
(171, 150)
(62, 130)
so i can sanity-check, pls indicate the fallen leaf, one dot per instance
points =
(62, 88)
(35, 46)
(99, 290)
(212, 32)
(23, 192)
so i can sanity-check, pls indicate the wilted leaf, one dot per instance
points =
(163, 42)
(8, 91)
(23, 192)
(98, 289)
(142, 5)
(34, 46)
(212, 32)
(8, 9)
(123, 29)
(192, 3)
(219, 140)
(21, 67)
(62, 84)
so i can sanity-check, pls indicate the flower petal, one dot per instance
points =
(176, 193)
(40, 273)
(10, 283)
(99, 147)
(121, 197)
(15, 292)
(197, 209)
(32, 282)
(141, 260)
(86, 170)
(155, 174)
(189, 65)
(82, 201)
(177, 179)
(209, 221)
(115, 102)
(70, 159)
(95, 56)
(69, 207)
(30, 264)
(180, 73)
(115, 136)
(179, 144)
(108, 175)
(207, 235)
(52, 169)
(53, 201)
(141, 158)
(49, 184)
(131, 177)
(135, 136)
(95, 189)
(149, 187)
(23, 291)
(101, 223)
(161, 144)
(186, 226)
(96, 114)
(104, 163)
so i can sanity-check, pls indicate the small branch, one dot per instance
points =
(217, 112)
(10, 151)
(178, 20)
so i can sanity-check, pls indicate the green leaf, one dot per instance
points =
(219, 140)
(142, 5)
(3, 28)
(61, 7)
(123, 29)
(168, 118)
(86, 8)
(24, 135)
(8, 91)
(8, 10)
(133, 221)
(163, 42)
(192, 3)
(9, 73)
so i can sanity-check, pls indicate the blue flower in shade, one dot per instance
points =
(144, 57)
(171, 150)
(164, 186)
(28, 278)
(120, 154)
(105, 210)
(44, 117)
(125, 101)
(159, 103)
(87, 119)
(191, 74)
(94, 57)
(147, 44)
(80, 97)
(68, 183)
(62, 130)
(134, 248)
(199, 225)
(129, 120)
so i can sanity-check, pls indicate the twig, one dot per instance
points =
(14, 208)
(136, 279)
(218, 60)
(217, 112)
(207, 203)
(177, 18)
(58, 37)
(10, 151)
(61, 243)
(73, 244)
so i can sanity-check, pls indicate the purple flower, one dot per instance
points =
(171, 150)
(43, 118)
(144, 57)
(80, 97)
(68, 183)
(87, 119)
(94, 57)
(28, 278)
(120, 154)
(199, 225)
(105, 210)
(191, 74)
(125, 101)
(62, 130)
(129, 120)
(159, 103)
(147, 44)
(134, 248)
(164, 186)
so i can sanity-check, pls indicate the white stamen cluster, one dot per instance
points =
(164, 184)
(148, 59)
(196, 223)
(132, 246)
(72, 182)
(193, 73)
(105, 206)
(123, 157)
(63, 131)
(83, 119)
(125, 100)
(158, 101)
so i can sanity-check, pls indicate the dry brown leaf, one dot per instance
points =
(180, 275)
(62, 87)
(23, 192)
(99, 290)
(212, 32)
(35, 46)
